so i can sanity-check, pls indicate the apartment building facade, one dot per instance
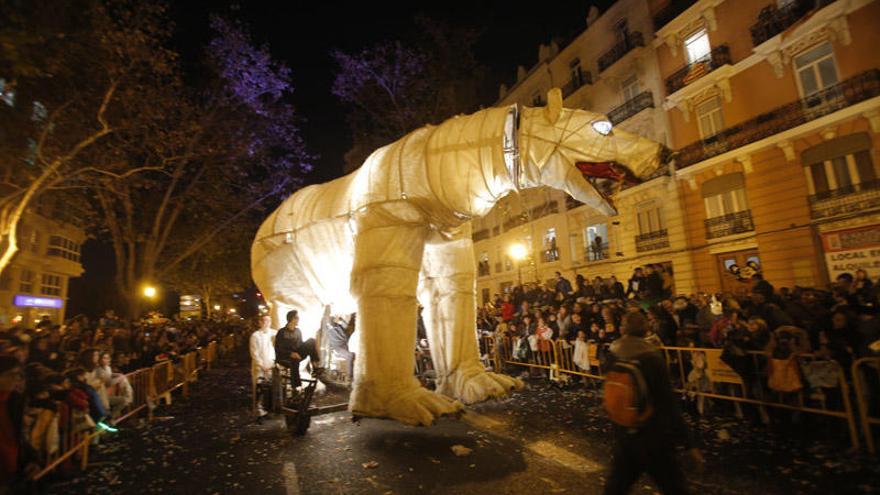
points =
(35, 283)
(774, 110)
(608, 68)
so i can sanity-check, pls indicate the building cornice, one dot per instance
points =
(859, 109)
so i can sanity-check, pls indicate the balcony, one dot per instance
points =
(672, 10)
(581, 79)
(480, 235)
(849, 199)
(846, 93)
(651, 241)
(596, 252)
(627, 44)
(720, 55)
(733, 223)
(640, 102)
(550, 255)
(773, 20)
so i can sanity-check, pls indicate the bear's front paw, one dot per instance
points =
(417, 407)
(486, 385)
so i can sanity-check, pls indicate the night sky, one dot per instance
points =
(302, 34)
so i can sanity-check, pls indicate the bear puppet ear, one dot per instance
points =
(554, 105)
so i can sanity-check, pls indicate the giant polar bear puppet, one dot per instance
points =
(397, 232)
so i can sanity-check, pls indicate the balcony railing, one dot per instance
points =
(627, 44)
(672, 10)
(846, 93)
(773, 20)
(650, 241)
(480, 235)
(596, 253)
(581, 79)
(550, 255)
(640, 102)
(733, 223)
(720, 55)
(849, 199)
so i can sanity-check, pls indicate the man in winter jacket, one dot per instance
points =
(562, 284)
(290, 349)
(650, 447)
(262, 350)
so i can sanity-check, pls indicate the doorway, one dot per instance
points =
(736, 269)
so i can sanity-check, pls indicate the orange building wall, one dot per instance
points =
(863, 52)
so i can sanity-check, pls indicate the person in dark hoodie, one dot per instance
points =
(650, 447)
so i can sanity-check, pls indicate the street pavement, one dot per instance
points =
(541, 440)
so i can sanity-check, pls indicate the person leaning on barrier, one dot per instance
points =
(290, 349)
(650, 447)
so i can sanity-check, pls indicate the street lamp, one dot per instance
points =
(518, 252)
(217, 307)
(149, 292)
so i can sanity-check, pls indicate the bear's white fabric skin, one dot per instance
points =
(397, 231)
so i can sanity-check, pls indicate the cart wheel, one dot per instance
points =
(298, 424)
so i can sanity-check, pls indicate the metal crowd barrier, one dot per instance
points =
(149, 386)
(866, 381)
(721, 381)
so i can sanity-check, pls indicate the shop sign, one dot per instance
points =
(37, 302)
(852, 249)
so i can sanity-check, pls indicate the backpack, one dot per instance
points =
(626, 395)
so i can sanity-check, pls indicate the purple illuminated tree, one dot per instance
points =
(224, 150)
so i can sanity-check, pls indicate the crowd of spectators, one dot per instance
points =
(837, 324)
(57, 380)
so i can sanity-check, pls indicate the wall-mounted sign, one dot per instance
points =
(37, 302)
(851, 249)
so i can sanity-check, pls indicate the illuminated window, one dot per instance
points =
(483, 265)
(551, 251)
(26, 281)
(596, 241)
(64, 248)
(709, 118)
(815, 69)
(697, 46)
(50, 285)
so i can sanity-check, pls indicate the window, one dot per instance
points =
(709, 119)
(5, 280)
(551, 251)
(63, 248)
(725, 195)
(577, 73)
(630, 88)
(34, 241)
(27, 281)
(50, 285)
(483, 265)
(697, 47)
(537, 99)
(649, 218)
(596, 241)
(498, 264)
(842, 164)
(815, 69)
(621, 29)
(7, 93)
